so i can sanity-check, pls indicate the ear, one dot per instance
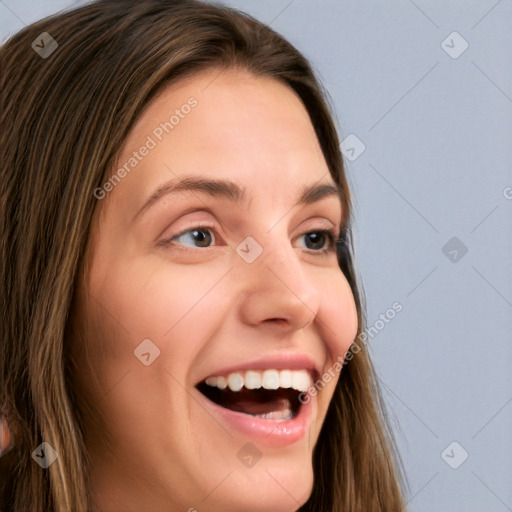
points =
(5, 436)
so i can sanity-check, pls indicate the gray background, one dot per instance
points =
(437, 132)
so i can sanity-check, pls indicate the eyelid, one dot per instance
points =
(332, 232)
(315, 223)
(196, 225)
(328, 226)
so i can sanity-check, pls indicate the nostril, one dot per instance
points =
(278, 321)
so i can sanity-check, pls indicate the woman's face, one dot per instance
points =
(210, 268)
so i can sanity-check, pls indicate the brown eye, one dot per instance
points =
(315, 240)
(321, 240)
(197, 237)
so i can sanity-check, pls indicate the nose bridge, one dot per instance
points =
(276, 283)
(284, 264)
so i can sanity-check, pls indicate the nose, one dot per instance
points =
(278, 288)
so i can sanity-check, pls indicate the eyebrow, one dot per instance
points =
(233, 192)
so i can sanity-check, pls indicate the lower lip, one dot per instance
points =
(272, 433)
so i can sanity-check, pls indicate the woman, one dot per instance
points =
(178, 290)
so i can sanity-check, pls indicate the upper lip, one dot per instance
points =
(280, 361)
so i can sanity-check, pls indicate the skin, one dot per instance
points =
(206, 308)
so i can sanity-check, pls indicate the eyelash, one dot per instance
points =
(333, 240)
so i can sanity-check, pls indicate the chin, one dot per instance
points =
(269, 488)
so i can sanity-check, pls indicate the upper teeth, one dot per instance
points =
(267, 379)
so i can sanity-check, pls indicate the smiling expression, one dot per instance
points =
(218, 247)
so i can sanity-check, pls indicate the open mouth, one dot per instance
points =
(266, 394)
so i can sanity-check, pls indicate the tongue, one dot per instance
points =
(279, 404)
(273, 409)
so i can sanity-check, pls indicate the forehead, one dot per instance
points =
(225, 124)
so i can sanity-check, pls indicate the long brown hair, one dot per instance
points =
(65, 116)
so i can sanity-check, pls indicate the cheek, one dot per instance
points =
(143, 301)
(165, 303)
(172, 307)
(337, 320)
(337, 315)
